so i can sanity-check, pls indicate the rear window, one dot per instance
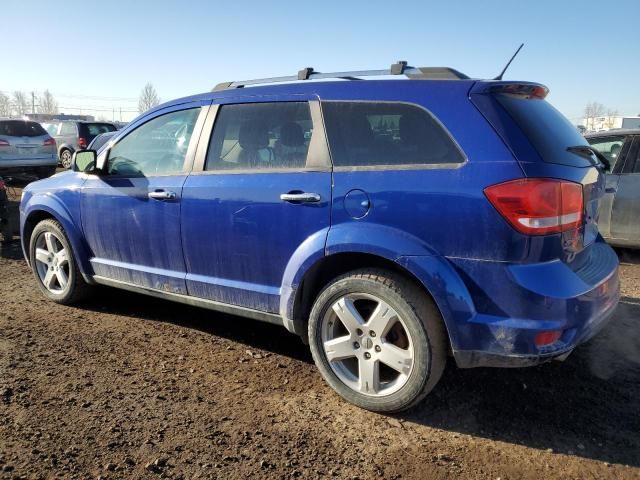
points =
(547, 129)
(92, 130)
(386, 134)
(21, 128)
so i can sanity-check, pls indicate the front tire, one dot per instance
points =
(378, 340)
(54, 266)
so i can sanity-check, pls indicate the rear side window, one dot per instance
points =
(385, 133)
(260, 136)
(549, 132)
(68, 128)
(95, 129)
(20, 128)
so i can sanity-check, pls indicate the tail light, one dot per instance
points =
(82, 142)
(4, 143)
(527, 91)
(538, 206)
(547, 338)
(48, 142)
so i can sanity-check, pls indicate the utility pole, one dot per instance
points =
(33, 103)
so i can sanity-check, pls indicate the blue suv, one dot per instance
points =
(389, 222)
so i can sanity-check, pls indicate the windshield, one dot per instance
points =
(547, 129)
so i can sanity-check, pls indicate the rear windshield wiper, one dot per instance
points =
(587, 151)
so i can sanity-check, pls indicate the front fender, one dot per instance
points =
(49, 203)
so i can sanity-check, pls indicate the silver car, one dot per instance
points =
(26, 147)
(620, 209)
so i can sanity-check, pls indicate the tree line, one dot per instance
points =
(20, 103)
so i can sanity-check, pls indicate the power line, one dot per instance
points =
(86, 97)
(62, 107)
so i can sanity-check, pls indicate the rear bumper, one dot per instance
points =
(496, 310)
(24, 164)
(475, 358)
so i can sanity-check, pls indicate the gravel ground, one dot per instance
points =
(127, 386)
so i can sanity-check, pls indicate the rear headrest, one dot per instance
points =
(291, 134)
(254, 135)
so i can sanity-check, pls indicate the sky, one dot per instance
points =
(100, 54)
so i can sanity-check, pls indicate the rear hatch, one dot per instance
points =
(545, 144)
(24, 139)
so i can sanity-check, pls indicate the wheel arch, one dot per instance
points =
(65, 146)
(52, 209)
(298, 305)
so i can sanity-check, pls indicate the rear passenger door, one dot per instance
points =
(625, 214)
(260, 189)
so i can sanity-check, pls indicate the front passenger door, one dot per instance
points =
(131, 214)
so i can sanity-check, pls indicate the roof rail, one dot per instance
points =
(308, 73)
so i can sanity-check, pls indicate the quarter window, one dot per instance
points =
(158, 147)
(381, 133)
(260, 136)
(68, 128)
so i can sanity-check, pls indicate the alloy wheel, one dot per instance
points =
(52, 263)
(65, 158)
(367, 344)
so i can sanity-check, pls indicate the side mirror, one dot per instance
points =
(84, 161)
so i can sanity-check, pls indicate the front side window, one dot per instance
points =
(260, 136)
(632, 159)
(610, 147)
(386, 133)
(158, 147)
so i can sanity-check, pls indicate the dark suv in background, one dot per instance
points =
(71, 135)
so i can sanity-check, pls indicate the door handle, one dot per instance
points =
(301, 197)
(610, 190)
(162, 195)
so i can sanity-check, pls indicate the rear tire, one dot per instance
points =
(54, 266)
(378, 340)
(65, 157)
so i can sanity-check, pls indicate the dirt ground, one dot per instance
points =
(127, 386)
